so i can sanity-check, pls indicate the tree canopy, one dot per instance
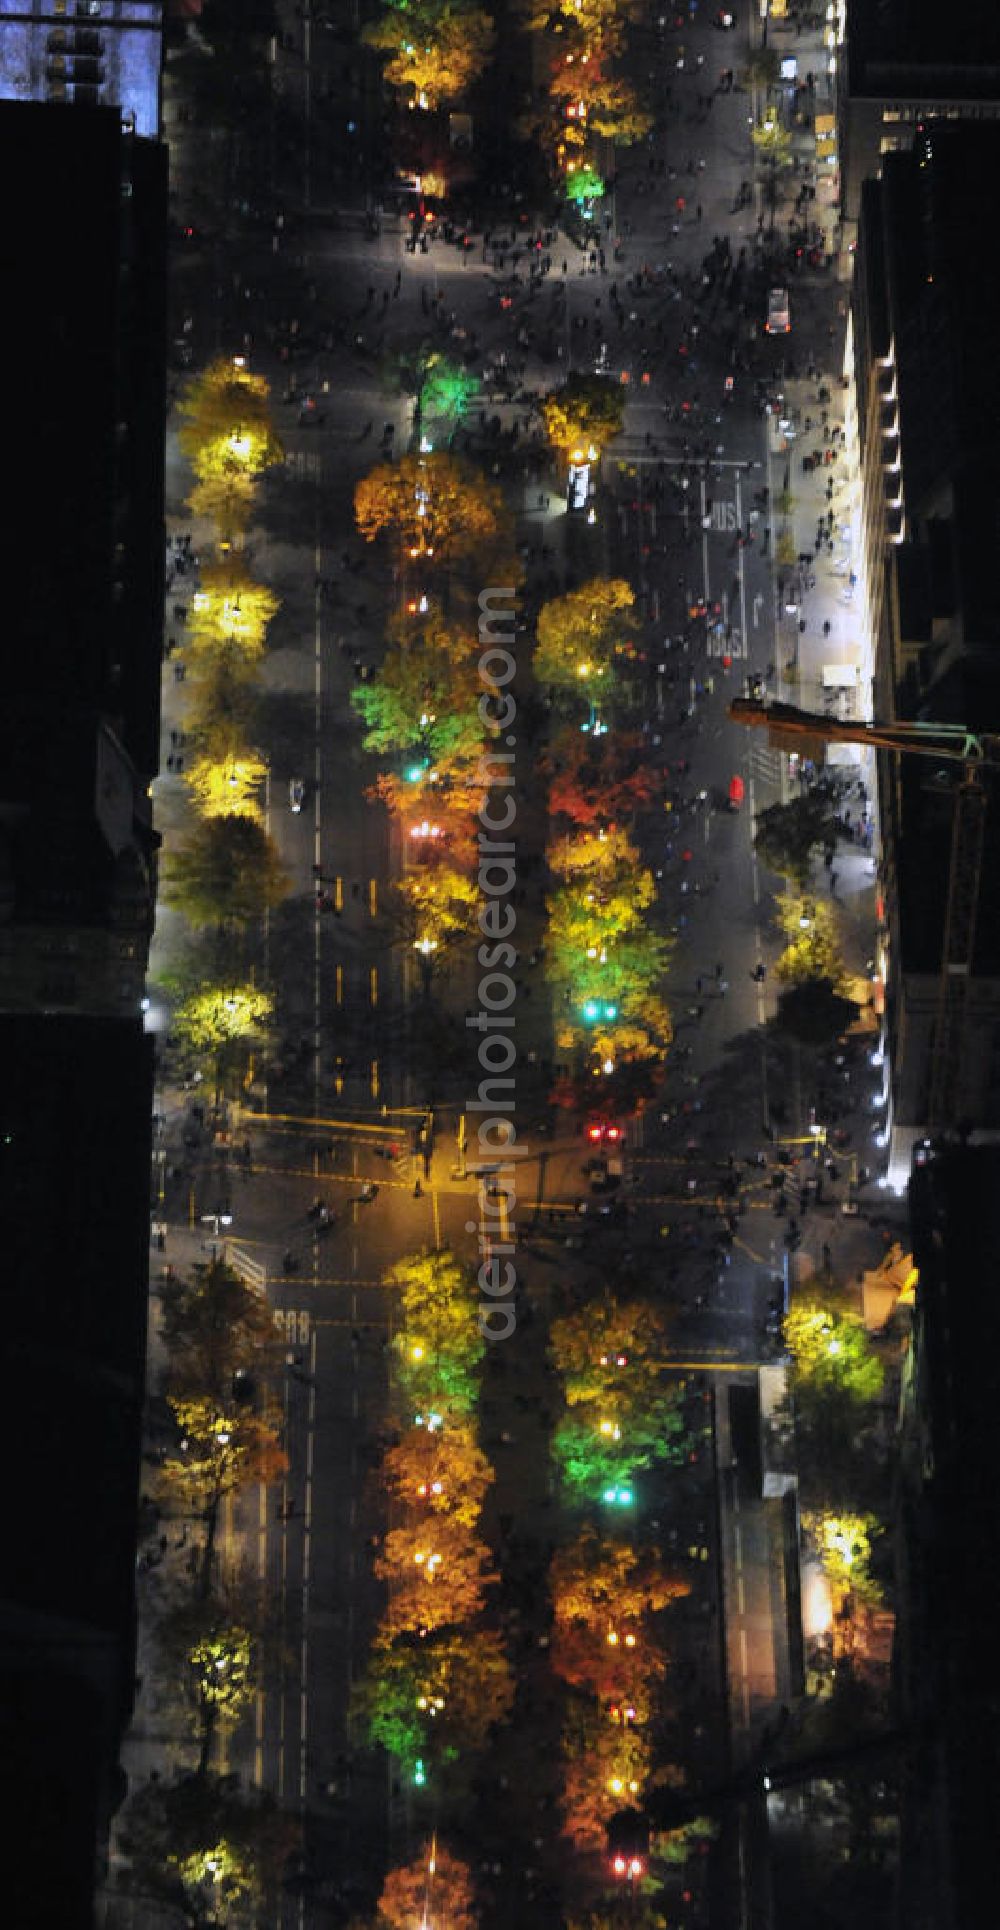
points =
(583, 416)
(226, 870)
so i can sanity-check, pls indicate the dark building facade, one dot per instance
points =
(949, 1518)
(927, 400)
(905, 64)
(83, 247)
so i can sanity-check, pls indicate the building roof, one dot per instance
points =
(904, 49)
(950, 1695)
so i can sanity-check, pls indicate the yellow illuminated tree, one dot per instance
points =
(595, 1580)
(230, 611)
(436, 1888)
(223, 1445)
(583, 416)
(598, 101)
(578, 633)
(225, 500)
(437, 49)
(813, 948)
(227, 432)
(843, 1542)
(439, 906)
(228, 787)
(601, 855)
(219, 1023)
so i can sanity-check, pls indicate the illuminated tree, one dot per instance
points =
(831, 1351)
(442, 389)
(843, 1542)
(227, 787)
(423, 702)
(223, 1445)
(583, 185)
(213, 1853)
(225, 500)
(600, 780)
(436, 1574)
(439, 907)
(226, 871)
(773, 143)
(786, 835)
(600, 102)
(437, 506)
(618, 1661)
(592, 1580)
(813, 950)
(443, 1472)
(227, 433)
(611, 1350)
(583, 416)
(230, 612)
(437, 50)
(436, 1697)
(439, 1346)
(579, 634)
(606, 1770)
(218, 1023)
(209, 1651)
(435, 1888)
(602, 855)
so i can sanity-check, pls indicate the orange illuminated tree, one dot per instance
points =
(436, 1888)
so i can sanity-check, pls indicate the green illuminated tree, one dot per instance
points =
(436, 1697)
(442, 389)
(423, 702)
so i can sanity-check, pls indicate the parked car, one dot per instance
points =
(779, 319)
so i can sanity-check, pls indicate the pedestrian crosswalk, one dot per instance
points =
(303, 464)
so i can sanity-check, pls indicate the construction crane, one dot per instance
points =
(807, 732)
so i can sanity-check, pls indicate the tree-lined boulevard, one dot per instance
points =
(423, 1613)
